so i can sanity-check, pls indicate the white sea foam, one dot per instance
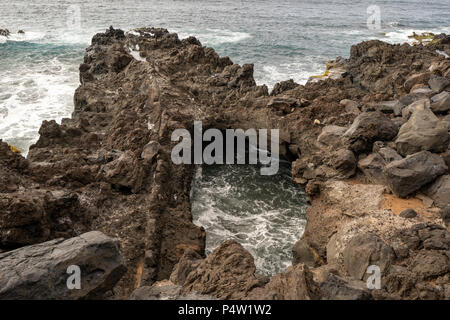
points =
(32, 94)
(30, 36)
(299, 70)
(401, 35)
(215, 37)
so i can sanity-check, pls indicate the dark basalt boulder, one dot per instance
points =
(364, 250)
(439, 191)
(423, 131)
(437, 83)
(413, 172)
(367, 128)
(41, 271)
(440, 103)
(227, 273)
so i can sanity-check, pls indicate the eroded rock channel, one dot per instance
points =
(266, 214)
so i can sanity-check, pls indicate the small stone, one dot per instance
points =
(408, 214)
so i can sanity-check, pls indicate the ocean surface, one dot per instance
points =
(284, 39)
(266, 214)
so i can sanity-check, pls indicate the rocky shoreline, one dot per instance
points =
(367, 142)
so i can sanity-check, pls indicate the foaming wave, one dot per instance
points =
(265, 214)
(215, 37)
(299, 71)
(30, 36)
(31, 93)
(401, 35)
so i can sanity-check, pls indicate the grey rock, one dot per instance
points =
(411, 97)
(437, 83)
(364, 250)
(339, 288)
(409, 110)
(415, 79)
(422, 90)
(439, 191)
(331, 135)
(351, 106)
(40, 271)
(440, 103)
(302, 253)
(372, 166)
(4, 32)
(367, 128)
(429, 263)
(344, 162)
(394, 107)
(413, 172)
(423, 131)
(389, 154)
(408, 214)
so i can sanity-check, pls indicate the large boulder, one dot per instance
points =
(372, 166)
(410, 174)
(409, 109)
(343, 162)
(33, 216)
(367, 128)
(437, 83)
(41, 271)
(364, 250)
(440, 103)
(340, 288)
(394, 107)
(439, 191)
(296, 283)
(423, 131)
(227, 273)
(331, 135)
(419, 78)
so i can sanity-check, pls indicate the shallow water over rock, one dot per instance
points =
(266, 214)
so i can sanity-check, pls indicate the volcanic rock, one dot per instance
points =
(41, 271)
(423, 131)
(410, 174)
